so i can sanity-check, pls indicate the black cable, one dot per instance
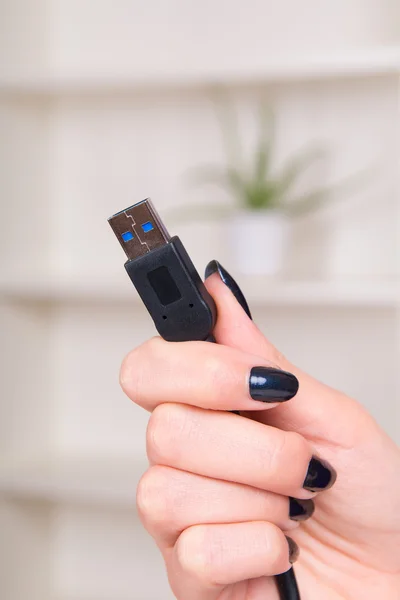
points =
(287, 586)
(173, 293)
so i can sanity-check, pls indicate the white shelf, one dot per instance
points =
(40, 287)
(365, 63)
(259, 291)
(368, 294)
(97, 481)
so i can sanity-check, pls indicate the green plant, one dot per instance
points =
(258, 186)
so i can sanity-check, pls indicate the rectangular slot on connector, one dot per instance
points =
(164, 286)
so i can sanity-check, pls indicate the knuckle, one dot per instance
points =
(126, 371)
(192, 553)
(201, 555)
(164, 427)
(132, 373)
(150, 496)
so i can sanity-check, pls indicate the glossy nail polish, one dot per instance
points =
(293, 550)
(272, 385)
(320, 475)
(215, 267)
(300, 510)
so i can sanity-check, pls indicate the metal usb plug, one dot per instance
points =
(139, 229)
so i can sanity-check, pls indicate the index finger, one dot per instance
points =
(202, 374)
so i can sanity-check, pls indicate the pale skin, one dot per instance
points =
(215, 497)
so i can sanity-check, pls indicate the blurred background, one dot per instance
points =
(267, 134)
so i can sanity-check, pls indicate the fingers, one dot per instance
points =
(206, 558)
(205, 375)
(317, 411)
(228, 447)
(170, 501)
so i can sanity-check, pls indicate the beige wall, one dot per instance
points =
(103, 103)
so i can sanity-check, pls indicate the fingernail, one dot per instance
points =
(300, 510)
(293, 550)
(215, 267)
(272, 385)
(320, 475)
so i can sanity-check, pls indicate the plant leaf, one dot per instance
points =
(261, 195)
(266, 140)
(226, 177)
(296, 166)
(307, 203)
(316, 198)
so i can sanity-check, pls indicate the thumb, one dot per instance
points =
(318, 412)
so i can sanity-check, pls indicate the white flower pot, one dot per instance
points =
(258, 241)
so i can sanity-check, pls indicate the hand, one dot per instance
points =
(218, 497)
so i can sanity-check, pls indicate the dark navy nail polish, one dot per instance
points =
(293, 550)
(300, 510)
(320, 475)
(272, 385)
(215, 267)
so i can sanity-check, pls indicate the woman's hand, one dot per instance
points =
(219, 496)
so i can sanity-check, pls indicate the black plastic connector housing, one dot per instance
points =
(173, 293)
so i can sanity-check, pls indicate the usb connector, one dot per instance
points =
(163, 274)
(139, 229)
